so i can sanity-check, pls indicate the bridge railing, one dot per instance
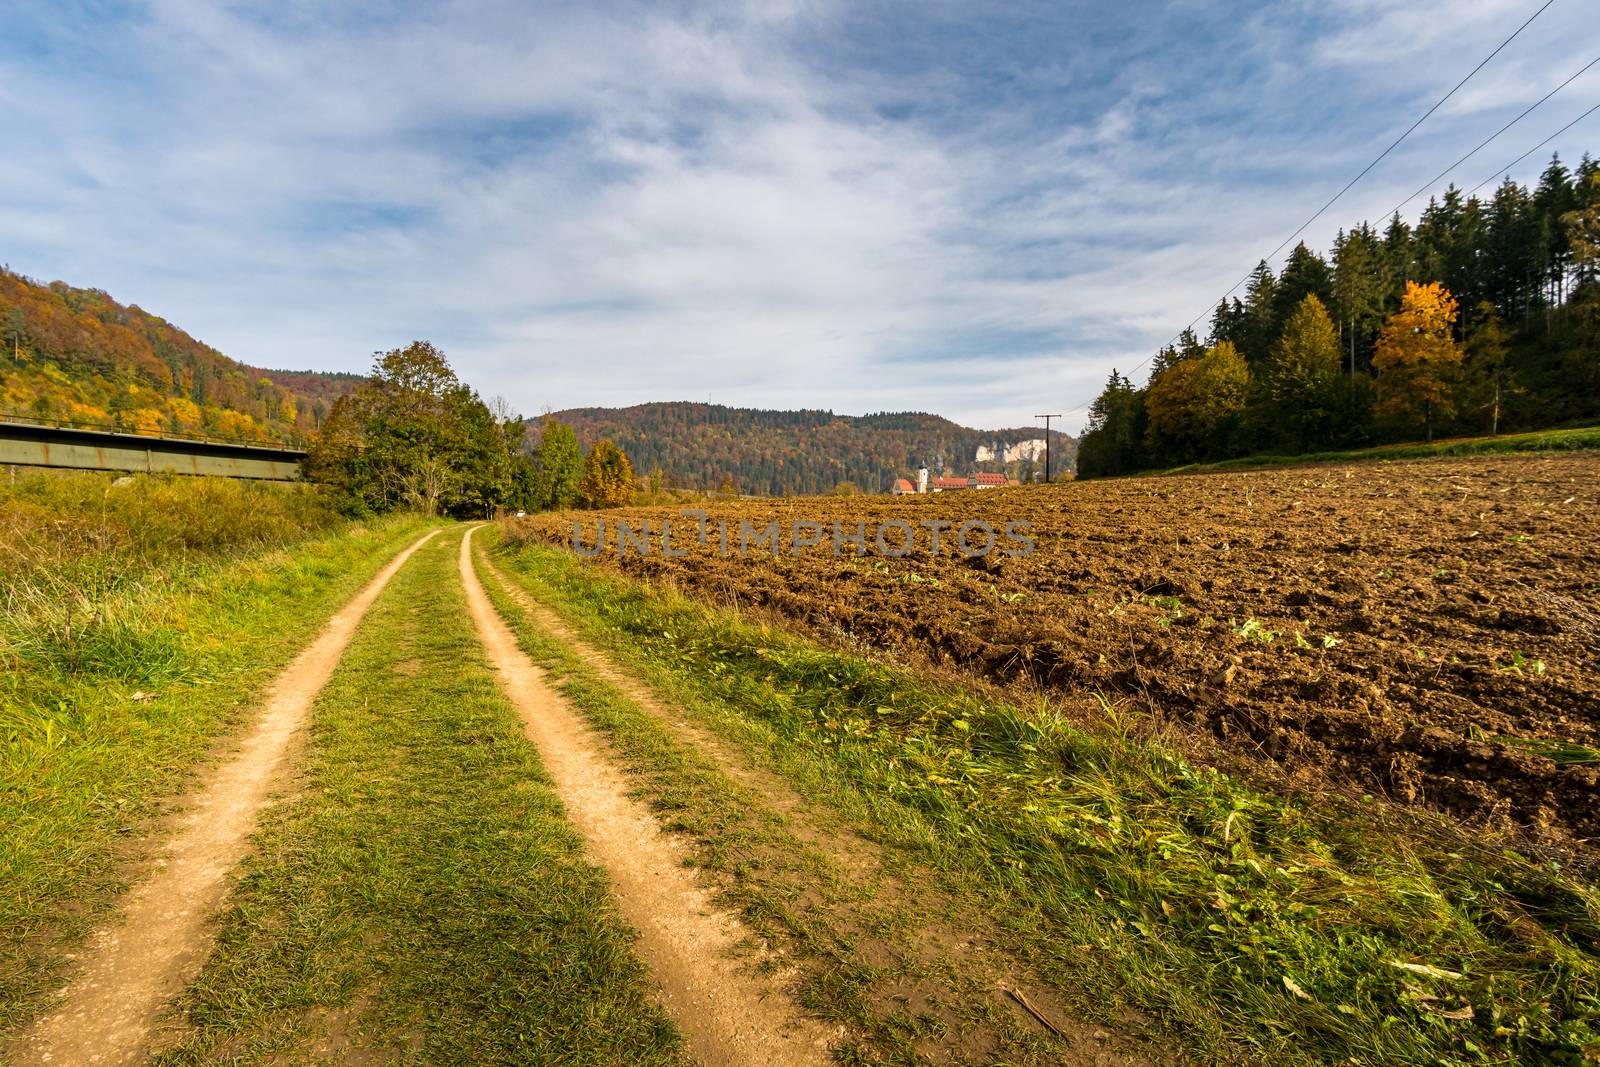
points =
(34, 419)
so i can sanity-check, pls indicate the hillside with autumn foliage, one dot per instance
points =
(80, 358)
(776, 453)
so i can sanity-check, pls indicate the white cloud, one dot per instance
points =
(608, 206)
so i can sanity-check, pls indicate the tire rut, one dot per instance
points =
(162, 935)
(973, 938)
(729, 1014)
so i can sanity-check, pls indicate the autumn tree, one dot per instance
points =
(1417, 358)
(608, 480)
(1194, 407)
(1298, 378)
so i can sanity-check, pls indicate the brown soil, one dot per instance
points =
(1427, 630)
(729, 1013)
(162, 934)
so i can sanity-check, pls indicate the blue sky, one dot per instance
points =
(969, 208)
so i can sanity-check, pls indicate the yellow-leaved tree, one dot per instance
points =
(1194, 406)
(1417, 358)
(608, 480)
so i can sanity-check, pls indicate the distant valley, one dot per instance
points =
(773, 453)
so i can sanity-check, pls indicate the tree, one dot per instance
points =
(1297, 380)
(412, 435)
(1258, 326)
(608, 480)
(1553, 199)
(1227, 322)
(1112, 444)
(427, 482)
(1487, 376)
(16, 333)
(1582, 229)
(1304, 274)
(1417, 358)
(1194, 408)
(1512, 252)
(560, 463)
(1399, 261)
(1358, 290)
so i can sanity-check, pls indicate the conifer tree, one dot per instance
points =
(1487, 377)
(1112, 442)
(1304, 274)
(1258, 327)
(1553, 199)
(1358, 284)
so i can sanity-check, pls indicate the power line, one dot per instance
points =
(1485, 143)
(1351, 183)
(1505, 170)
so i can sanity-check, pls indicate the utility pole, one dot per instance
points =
(1047, 419)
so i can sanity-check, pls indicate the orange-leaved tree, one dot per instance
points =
(1417, 358)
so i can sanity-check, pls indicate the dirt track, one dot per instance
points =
(730, 1016)
(162, 933)
(1428, 630)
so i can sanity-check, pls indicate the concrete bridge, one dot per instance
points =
(33, 445)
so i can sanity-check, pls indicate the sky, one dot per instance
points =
(970, 208)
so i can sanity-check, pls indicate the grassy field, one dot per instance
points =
(1154, 895)
(420, 895)
(1565, 440)
(141, 621)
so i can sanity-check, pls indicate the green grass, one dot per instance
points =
(1232, 921)
(854, 927)
(84, 556)
(420, 896)
(126, 655)
(1568, 440)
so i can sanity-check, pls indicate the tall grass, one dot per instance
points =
(140, 621)
(84, 560)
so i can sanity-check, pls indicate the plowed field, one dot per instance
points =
(1427, 630)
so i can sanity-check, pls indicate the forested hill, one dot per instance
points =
(772, 453)
(78, 356)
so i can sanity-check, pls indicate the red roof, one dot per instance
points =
(990, 479)
(903, 485)
(942, 482)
